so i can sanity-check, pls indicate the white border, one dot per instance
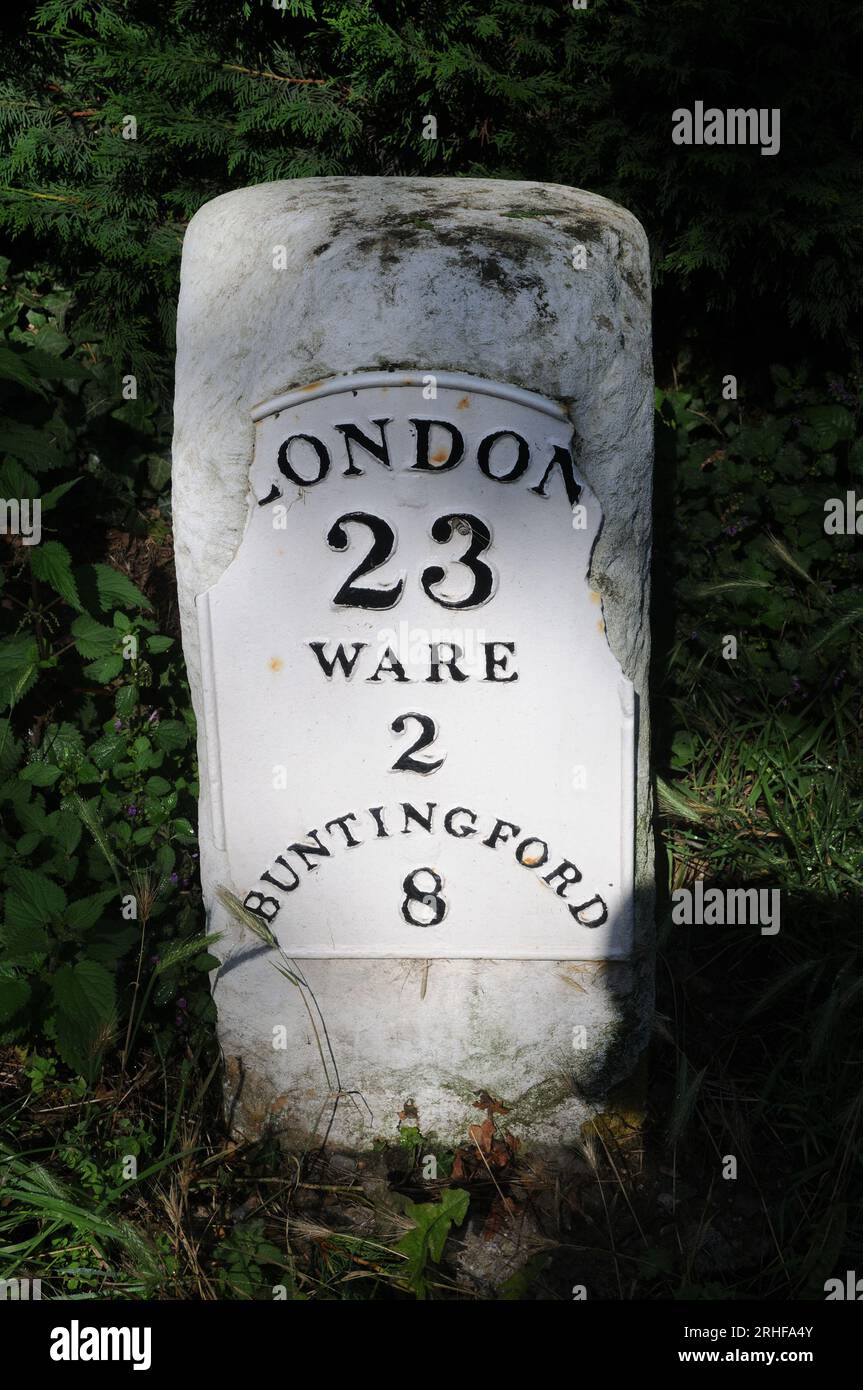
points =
(456, 381)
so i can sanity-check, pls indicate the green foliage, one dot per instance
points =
(97, 778)
(245, 95)
(432, 1224)
(243, 1257)
(741, 544)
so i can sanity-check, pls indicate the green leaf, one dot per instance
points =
(206, 962)
(84, 992)
(52, 563)
(63, 744)
(65, 829)
(828, 425)
(426, 1241)
(35, 447)
(11, 748)
(117, 591)
(14, 367)
(32, 898)
(85, 913)
(158, 471)
(19, 667)
(14, 994)
(93, 639)
(40, 774)
(46, 364)
(158, 786)
(125, 701)
(159, 644)
(104, 669)
(107, 750)
(170, 734)
(23, 941)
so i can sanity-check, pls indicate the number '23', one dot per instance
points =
(353, 595)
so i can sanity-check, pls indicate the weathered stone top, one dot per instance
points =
(371, 262)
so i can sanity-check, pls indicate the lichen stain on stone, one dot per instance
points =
(463, 404)
(634, 281)
(524, 213)
(586, 228)
(415, 219)
(275, 663)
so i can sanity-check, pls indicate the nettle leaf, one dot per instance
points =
(170, 734)
(63, 744)
(81, 1042)
(84, 992)
(14, 367)
(85, 913)
(52, 563)
(34, 447)
(111, 945)
(65, 829)
(93, 639)
(107, 749)
(156, 645)
(15, 481)
(14, 994)
(32, 899)
(116, 590)
(19, 667)
(158, 786)
(11, 748)
(827, 426)
(40, 774)
(23, 941)
(104, 669)
(125, 701)
(49, 365)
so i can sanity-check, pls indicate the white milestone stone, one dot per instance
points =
(412, 515)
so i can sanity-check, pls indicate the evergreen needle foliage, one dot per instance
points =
(229, 96)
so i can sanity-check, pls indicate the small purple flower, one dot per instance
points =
(175, 878)
(182, 1004)
(731, 530)
(118, 724)
(131, 811)
(796, 685)
(154, 717)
